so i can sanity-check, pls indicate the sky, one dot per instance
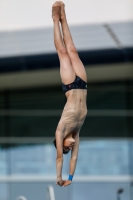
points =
(30, 14)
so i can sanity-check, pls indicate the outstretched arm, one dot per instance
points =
(59, 158)
(73, 160)
(74, 155)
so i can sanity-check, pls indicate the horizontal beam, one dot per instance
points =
(51, 77)
(22, 178)
(54, 113)
(45, 140)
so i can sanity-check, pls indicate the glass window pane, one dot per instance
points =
(37, 99)
(106, 96)
(4, 195)
(34, 159)
(103, 157)
(104, 126)
(40, 126)
(96, 157)
(2, 126)
(2, 100)
(37, 126)
(3, 160)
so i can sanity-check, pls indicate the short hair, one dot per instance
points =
(64, 150)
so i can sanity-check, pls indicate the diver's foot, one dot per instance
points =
(63, 14)
(56, 11)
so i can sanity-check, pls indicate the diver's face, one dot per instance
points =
(68, 143)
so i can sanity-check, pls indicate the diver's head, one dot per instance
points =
(68, 144)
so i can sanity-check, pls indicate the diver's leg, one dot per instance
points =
(68, 41)
(66, 70)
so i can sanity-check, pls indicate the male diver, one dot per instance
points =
(74, 84)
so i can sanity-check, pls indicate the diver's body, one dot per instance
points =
(74, 84)
(74, 112)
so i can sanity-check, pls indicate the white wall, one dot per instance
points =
(26, 14)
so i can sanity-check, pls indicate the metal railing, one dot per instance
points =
(50, 193)
(21, 198)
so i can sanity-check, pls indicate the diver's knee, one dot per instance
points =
(62, 50)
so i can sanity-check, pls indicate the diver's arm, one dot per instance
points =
(74, 156)
(59, 158)
(59, 164)
(73, 160)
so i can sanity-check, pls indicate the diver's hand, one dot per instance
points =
(66, 183)
(60, 182)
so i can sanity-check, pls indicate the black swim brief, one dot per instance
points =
(77, 84)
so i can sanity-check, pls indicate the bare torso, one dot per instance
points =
(74, 112)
